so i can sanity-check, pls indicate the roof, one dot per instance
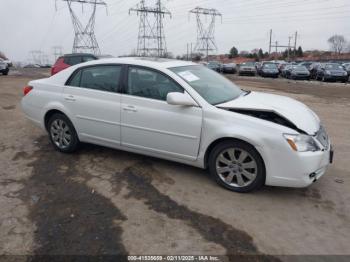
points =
(158, 63)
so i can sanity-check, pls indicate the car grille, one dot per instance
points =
(322, 137)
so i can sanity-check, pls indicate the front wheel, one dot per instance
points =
(237, 166)
(62, 134)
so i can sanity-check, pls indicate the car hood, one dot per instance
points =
(297, 113)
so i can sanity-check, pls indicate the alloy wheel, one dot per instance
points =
(236, 167)
(60, 133)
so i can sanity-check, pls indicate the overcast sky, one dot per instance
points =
(27, 25)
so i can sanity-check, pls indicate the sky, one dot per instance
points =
(28, 25)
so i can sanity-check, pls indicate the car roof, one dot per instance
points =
(157, 63)
(78, 54)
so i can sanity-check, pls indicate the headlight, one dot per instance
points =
(301, 143)
(345, 73)
(328, 72)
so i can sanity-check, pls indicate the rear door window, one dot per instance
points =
(102, 78)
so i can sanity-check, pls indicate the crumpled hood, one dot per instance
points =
(297, 113)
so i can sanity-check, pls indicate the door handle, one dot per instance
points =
(130, 108)
(70, 98)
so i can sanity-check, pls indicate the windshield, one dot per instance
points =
(271, 66)
(213, 87)
(248, 64)
(300, 68)
(334, 67)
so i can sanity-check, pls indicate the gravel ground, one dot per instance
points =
(104, 201)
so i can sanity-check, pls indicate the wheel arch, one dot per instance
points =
(50, 113)
(222, 139)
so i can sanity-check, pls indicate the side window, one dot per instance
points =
(103, 78)
(75, 81)
(150, 84)
(72, 60)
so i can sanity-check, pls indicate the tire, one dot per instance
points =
(62, 134)
(221, 157)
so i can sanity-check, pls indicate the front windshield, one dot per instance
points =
(334, 67)
(248, 64)
(270, 66)
(300, 68)
(213, 87)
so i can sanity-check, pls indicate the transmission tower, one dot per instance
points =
(151, 36)
(205, 35)
(84, 38)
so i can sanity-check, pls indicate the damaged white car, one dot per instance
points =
(186, 113)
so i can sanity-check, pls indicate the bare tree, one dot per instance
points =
(337, 43)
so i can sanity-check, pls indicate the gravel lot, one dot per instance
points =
(104, 201)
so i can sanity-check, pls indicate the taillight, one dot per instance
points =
(27, 89)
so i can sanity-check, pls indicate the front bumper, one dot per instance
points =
(336, 78)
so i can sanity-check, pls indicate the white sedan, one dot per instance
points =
(182, 112)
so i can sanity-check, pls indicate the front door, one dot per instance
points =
(149, 123)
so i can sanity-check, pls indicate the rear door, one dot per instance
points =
(91, 95)
(149, 123)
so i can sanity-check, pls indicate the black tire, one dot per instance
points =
(259, 180)
(74, 140)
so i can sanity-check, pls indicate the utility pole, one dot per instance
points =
(290, 38)
(205, 36)
(187, 58)
(276, 46)
(270, 42)
(295, 43)
(151, 37)
(84, 36)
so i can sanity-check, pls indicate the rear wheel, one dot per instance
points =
(237, 166)
(62, 134)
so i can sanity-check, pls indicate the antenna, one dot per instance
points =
(151, 36)
(84, 36)
(205, 36)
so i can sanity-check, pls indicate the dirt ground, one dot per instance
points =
(104, 201)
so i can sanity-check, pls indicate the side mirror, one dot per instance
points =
(180, 99)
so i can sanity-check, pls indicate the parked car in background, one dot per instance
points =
(298, 72)
(269, 70)
(230, 68)
(313, 69)
(307, 64)
(261, 65)
(285, 69)
(332, 72)
(214, 65)
(68, 60)
(247, 68)
(347, 69)
(184, 112)
(4, 67)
